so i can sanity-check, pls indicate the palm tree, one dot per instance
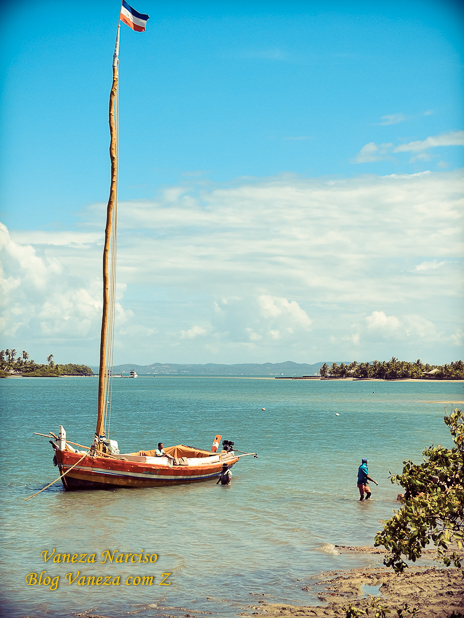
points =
(363, 370)
(8, 356)
(382, 371)
(50, 360)
(458, 367)
(25, 357)
(323, 370)
(392, 368)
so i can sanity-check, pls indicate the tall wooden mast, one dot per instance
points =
(108, 277)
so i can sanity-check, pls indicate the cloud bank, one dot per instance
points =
(258, 269)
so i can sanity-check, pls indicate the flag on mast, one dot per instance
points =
(133, 19)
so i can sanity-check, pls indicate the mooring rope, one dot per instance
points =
(60, 477)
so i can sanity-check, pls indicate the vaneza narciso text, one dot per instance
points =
(107, 556)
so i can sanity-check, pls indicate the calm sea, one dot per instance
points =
(264, 537)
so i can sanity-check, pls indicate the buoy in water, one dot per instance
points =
(337, 414)
(263, 409)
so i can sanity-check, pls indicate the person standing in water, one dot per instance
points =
(225, 476)
(363, 481)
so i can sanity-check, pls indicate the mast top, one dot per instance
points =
(116, 49)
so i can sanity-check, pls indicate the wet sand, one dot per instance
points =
(454, 403)
(434, 591)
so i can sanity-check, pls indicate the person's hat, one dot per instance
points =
(364, 460)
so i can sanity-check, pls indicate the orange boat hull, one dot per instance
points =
(108, 473)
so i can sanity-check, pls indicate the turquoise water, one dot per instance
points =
(265, 536)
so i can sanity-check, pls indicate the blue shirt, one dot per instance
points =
(362, 474)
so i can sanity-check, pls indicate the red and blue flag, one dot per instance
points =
(132, 18)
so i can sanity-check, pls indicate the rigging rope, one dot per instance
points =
(60, 477)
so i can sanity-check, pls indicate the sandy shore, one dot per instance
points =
(453, 403)
(435, 592)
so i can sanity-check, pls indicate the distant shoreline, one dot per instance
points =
(365, 379)
(264, 377)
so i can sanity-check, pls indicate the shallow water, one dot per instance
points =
(265, 536)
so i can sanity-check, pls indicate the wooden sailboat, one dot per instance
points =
(101, 465)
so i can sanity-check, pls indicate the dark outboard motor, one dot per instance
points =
(227, 446)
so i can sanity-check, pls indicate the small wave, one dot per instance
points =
(328, 548)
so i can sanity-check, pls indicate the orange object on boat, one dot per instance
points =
(215, 446)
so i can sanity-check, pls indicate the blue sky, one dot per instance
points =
(290, 180)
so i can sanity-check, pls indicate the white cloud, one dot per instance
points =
(392, 119)
(372, 152)
(264, 319)
(172, 194)
(389, 119)
(280, 308)
(453, 138)
(378, 321)
(77, 239)
(422, 156)
(433, 265)
(40, 296)
(73, 313)
(353, 338)
(252, 335)
(415, 327)
(193, 332)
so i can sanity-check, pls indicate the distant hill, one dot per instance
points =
(211, 369)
